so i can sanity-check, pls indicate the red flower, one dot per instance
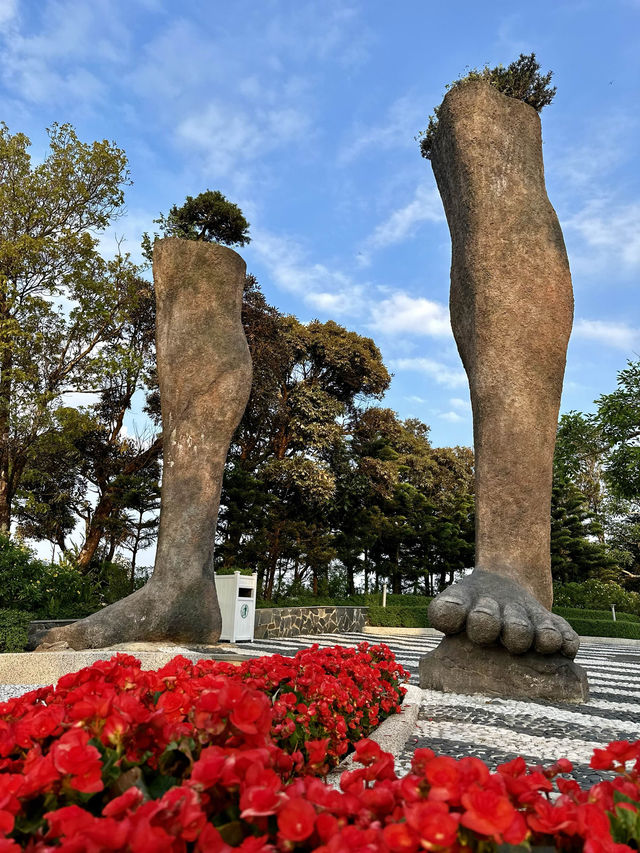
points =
(71, 820)
(124, 803)
(617, 752)
(296, 820)
(444, 777)
(7, 822)
(420, 760)
(400, 838)
(251, 712)
(367, 751)
(433, 824)
(487, 812)
(259, 801)
(72, 754)
(317, 751)
(552, 819)
(326, 826)
(39, 773)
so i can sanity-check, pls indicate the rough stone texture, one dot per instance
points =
(522, 624)
(38, 629)
(296, 621)
(460, 666)
(204, 372)
(511, 312)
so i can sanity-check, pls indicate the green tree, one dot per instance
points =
(279, 483)
(579, 458)
(417, 502)
(576, 553)
(84, 467)
(61, 304)
(209, 217)
(618, 419)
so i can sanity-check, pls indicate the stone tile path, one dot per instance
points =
(497, 730)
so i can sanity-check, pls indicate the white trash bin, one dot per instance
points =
(237, 599)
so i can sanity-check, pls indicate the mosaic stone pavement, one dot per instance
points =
(498, 730)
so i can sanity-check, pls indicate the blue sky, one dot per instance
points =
(304, 113)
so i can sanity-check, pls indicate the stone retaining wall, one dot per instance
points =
(270, 622)
(294, 621)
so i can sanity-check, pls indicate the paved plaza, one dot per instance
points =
(497, 730)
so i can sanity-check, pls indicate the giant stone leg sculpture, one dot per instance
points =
(511, 311)
(204, 372)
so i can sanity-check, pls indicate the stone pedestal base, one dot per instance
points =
(460, 666)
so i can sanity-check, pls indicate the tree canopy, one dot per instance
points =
(209, 217)
(65, 311)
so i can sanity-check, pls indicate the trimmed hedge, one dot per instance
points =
(372, 599)
(13, 630)
(416, 617)
(570, 613)
(399, 617)
(404, 600)
(600, 628)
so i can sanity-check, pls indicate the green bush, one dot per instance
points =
(595, 594)
(602, 628)
(313, 601)
(521, 80)
(48, 591)
(570, 613)
(371, 599)
(13, 630)
(231, 570)
(399, 617)
(405, 600)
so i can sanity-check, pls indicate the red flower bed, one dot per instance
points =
(186, 759)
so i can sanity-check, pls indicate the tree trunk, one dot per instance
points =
(95, 532)
(6, 491)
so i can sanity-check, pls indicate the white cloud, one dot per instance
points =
(52, 64)
(442, 373)
(415, 315)
(403, 120)
(459, 403)
(452, 416)
(324, 289)
(8, 10)
(228, 136)
(611, 235)
(414, 398)
(403, 223)
(618, 335)
(332, 30)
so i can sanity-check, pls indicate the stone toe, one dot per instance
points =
(517, 629)
(548, 638)
(570, 640)
(484, 622)
(448, 612)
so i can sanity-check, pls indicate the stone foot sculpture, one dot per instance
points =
(511, 312)
(204, 373)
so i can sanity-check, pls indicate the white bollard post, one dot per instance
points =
(613, 611)
(384, 595)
